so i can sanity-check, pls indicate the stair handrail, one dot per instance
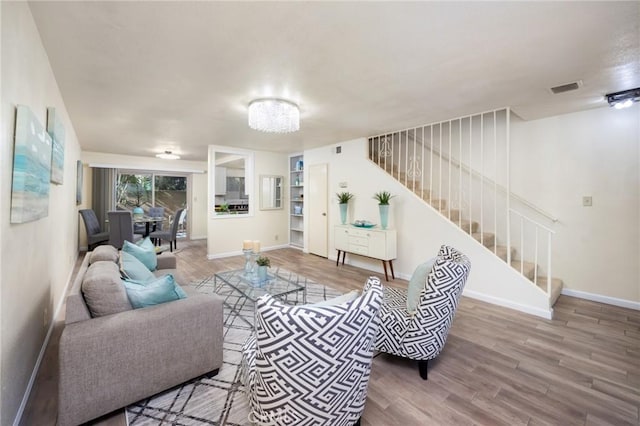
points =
(487, 179)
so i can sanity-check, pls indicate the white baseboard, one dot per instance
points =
(240, 253)
(602, 299)
(198, 237)
(34, 373)
(543, 313)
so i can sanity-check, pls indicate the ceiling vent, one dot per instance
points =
(567, 87)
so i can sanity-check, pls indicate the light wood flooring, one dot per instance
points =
(499, 366)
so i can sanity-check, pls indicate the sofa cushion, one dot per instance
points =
(417, 283)
(103, 291)
(148, 293)
(104, 253)
(131, 268)
(144, 251)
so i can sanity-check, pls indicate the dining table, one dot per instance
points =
(147, 220)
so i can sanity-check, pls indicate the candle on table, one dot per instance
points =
(247, 245)
(256, 246)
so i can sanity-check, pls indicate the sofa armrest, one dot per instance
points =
(109, 362)
(166, 261)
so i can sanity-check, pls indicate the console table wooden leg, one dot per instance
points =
(393, 276)
(338, 259)
(344, 254)
(386, 276)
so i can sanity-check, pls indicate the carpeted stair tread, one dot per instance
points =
(556, 287)
(466, 225)
(485, 238)
(439, 204)
(528, 268)
(501, 252)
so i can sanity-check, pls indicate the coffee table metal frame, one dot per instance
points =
(279, 284)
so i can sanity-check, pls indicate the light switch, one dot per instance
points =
(587, 201)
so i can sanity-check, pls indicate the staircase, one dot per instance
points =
(454, 166)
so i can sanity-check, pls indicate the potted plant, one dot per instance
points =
(343, 200)
(263, 263)
(383, 198)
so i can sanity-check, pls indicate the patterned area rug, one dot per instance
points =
(219, 400)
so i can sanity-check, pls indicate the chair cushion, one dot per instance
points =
(417, 283)
(149, 293)
(104, 253)
(144, 251)
(132, 269)
(103, 291)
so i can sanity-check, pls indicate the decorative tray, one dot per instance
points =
(363, 224)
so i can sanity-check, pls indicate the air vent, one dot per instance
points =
(567, 87)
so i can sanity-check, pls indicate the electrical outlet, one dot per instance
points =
(587, 201)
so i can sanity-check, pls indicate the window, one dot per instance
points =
(231, 172)
(145, 190)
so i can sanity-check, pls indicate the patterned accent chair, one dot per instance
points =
(308, 364)
(421, 335)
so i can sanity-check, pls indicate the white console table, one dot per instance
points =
(374, 242)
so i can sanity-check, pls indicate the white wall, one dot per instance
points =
(226, 233)
(37, 258)
(420, 229)
(556, 161)
(198, 222)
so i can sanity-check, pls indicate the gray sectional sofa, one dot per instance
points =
(111, 361)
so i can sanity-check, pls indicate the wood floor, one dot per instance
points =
(499, 366)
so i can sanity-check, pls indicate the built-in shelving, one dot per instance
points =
(296, 208)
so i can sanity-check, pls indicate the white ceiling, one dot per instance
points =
(142, 77)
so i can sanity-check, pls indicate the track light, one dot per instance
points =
(623, 99)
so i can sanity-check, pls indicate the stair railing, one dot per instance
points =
(466, 160)
(538, 228)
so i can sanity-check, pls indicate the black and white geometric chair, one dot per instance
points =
(421, 335)
(310, 365)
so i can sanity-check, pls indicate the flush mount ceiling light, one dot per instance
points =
(168, 155)
(274, 116)
(623, 99)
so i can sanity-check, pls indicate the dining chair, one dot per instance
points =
(171, 234)
(121, 228)
(156, 212)
(95, 234)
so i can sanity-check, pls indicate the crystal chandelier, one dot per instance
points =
(274, 116)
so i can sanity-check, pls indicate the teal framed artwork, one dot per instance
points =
(55, 128)
(31, 168)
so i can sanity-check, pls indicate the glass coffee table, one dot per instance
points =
(280, 283)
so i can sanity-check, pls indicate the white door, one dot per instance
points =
(318, 200)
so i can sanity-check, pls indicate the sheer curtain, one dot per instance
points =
(103, 188)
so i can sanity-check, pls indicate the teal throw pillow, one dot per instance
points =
(131, 268)
(144, 251)
(417, 283)
(339, 300)
(149, 293)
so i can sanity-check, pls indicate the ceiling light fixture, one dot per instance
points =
(168, 155)
(274, 116)
(623, 99)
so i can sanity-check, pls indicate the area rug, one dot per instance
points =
(219, 400)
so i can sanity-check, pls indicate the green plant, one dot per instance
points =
(383, 197)
(224, 208)
(263, 261)
(344, 197)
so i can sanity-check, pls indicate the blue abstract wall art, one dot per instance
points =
(31, 168)
(55, 128)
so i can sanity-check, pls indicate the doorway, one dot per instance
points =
(318, 221)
